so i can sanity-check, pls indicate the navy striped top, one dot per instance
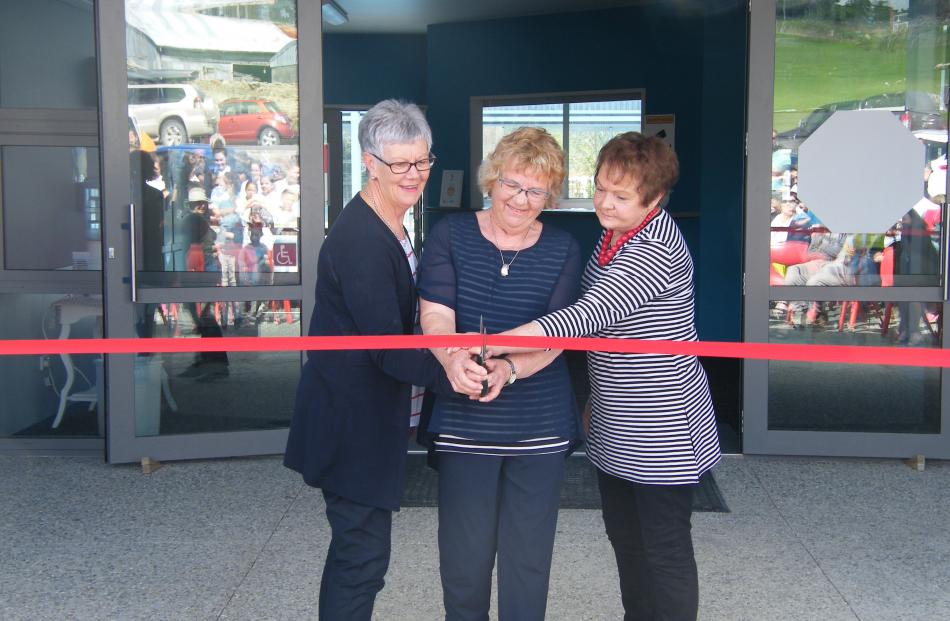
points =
(461, 270)
(652, 418)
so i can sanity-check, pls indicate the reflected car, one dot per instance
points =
(173, 113)
(254, 121)
(792, 138)
(915, 109)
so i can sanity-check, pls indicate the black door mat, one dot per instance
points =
(579, 490)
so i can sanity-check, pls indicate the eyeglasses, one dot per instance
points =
(401, 168)
(513, 188)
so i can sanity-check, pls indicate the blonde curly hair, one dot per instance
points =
(530, 150)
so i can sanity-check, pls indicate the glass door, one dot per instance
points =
(852, 250)
(212, 224)
(50, 253)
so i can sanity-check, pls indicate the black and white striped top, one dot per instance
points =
(652, 418)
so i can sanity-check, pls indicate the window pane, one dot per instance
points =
(47, 55)
(592, 124)
(354, 175)
(855, 397)
(216, 391)
(215, 90)
(877, 192)
(37, 396)
(500, 120)
(46, 185)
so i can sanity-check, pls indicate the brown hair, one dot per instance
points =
(530, 150)
(647, 161)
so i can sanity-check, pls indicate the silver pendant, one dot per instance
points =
(504, 269)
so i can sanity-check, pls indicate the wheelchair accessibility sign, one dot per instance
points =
(285, 254)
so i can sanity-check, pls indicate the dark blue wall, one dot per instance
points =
(594, 50)
(691, 65)
(362, 69)
(719, 287)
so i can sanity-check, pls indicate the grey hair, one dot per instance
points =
(393, 122)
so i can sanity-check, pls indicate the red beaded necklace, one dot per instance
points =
(607, 252)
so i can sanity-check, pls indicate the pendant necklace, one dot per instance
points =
(505, 266)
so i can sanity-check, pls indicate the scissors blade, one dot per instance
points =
(481, 330)
(484, 356)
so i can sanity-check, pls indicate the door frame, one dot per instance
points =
(122, 445)
(757, 437)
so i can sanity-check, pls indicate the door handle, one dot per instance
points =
(132, 252)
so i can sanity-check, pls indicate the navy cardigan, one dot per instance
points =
(350, 427)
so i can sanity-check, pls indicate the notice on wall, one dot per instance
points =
(451, 189)
(663, 126)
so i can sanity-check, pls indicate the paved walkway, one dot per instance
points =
(807, 538)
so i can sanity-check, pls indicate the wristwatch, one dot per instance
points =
(514, 371)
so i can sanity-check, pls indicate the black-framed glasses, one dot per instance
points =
(513, 188)
(401, 168)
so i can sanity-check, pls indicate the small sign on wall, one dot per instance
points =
(663, 126)
(451, 189)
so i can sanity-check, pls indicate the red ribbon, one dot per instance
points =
(847, 354)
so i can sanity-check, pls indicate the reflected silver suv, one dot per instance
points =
(173, 113)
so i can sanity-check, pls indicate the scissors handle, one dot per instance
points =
(481, 360)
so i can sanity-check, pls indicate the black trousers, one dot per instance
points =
(497, 506)
(649, 529)
(357, 560)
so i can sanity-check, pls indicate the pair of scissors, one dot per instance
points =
(481, 358)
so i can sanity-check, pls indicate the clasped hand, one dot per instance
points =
(466, 375)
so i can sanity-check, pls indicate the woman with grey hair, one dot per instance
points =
(351, 421)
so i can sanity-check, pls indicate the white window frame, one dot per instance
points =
(478, 103)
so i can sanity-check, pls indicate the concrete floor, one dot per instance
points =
(807, 538)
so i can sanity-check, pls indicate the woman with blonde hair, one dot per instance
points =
(501, 458)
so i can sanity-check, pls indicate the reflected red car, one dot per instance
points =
(254, 121)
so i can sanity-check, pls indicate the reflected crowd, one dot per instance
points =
(804, 252)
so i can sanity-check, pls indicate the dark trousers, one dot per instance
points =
(504, 505)
(208, 328)
(649, 529)
(356, 561)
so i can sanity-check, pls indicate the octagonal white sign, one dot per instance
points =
(860, 171)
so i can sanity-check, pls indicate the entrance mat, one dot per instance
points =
(579, 490)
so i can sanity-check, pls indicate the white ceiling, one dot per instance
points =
(412, 16)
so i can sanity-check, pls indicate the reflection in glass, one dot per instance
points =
(497, 121)
(857, 398)
(591, 125)
(354, 175)
(216, 391)
(588, 125)
(833, 58)
(51, 396)
(214, 88)
(45, 185)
